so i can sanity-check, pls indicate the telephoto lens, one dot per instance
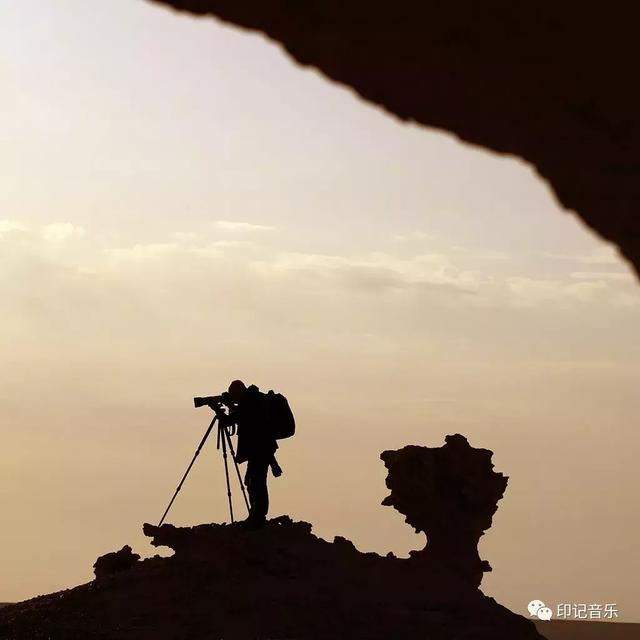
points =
(199, 402)
(215, 402)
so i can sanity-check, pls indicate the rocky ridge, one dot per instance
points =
(282, 581)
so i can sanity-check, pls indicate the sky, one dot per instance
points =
(182, 205)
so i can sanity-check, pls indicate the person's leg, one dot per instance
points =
(247, 484)
(261, 491)
(257, 469)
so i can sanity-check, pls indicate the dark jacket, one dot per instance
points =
(255, 440)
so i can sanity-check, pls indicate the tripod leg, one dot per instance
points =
(233, 456)
(186, 473)
(226, 470)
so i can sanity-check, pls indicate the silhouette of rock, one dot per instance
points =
(450, 493)
(568, 106)
(115, 561)
(282, 581)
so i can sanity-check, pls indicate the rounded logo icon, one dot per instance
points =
(544, 613)
(534, 606)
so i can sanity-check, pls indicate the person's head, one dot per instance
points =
(237, 389)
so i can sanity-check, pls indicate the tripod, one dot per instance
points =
(224, 439)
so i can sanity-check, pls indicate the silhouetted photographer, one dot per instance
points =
(260, 419)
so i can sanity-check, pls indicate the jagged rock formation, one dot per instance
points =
(284, 582)
(115, 561)
(551, 82)
(449, 493)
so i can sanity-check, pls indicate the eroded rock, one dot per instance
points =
(282, 581)
(449, 493)
(115, 561)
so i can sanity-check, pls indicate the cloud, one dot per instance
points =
(530, 292)
(371, 273)
(59, 282)
(438, 243)
(9, 226)
(143, 252)
(235, 244)
(61, 231)
(185, 236)
(602, 275)
(605, 255)
(241, 227)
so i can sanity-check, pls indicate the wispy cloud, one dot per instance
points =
(241, 227)
(602, 275)
(8, 226)
(59, 277)
(603, 292)
(438, 243)
(61, 231)
(374, 272)
(606, 255)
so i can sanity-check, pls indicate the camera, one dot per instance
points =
(207, 401)
(215, 402)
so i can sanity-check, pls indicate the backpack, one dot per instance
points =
(279, 416)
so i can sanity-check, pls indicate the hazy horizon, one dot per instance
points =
(182, 206)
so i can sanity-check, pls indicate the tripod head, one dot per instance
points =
(218, 404)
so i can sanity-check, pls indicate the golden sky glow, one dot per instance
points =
(182, 206)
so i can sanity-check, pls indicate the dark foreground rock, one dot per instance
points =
(283, 582)
(450, 494)
(115, 561)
